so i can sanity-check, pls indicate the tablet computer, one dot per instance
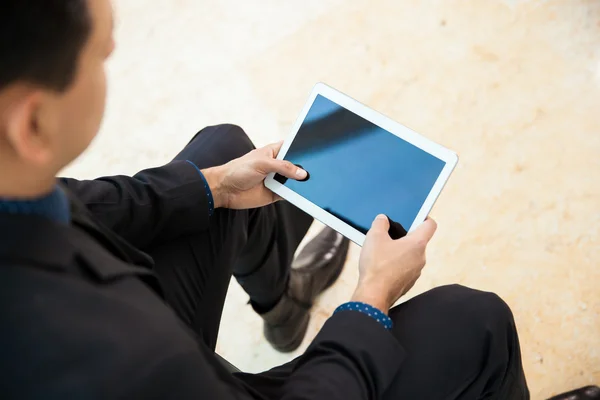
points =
(360, 164)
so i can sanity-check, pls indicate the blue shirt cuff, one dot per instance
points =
(211, 202)
(369, 310)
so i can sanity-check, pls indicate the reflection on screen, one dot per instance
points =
(357, 169)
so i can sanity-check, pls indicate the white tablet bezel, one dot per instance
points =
(448, 156)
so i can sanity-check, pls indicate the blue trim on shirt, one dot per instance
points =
(369, 310)
(211, 202)
(54, 205)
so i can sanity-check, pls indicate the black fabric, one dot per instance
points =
(455, 343)
(470, 338)
(86, 314)
(257, 246)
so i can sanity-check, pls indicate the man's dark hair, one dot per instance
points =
(40, 41)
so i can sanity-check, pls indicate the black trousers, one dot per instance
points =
(460, 343)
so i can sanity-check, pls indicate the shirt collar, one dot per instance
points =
(54, 206)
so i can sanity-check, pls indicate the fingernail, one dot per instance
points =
(381, 216)
(300, 173)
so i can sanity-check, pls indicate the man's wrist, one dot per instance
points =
(371, 298)
(214, 178)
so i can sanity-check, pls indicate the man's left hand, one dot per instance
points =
(239, 183)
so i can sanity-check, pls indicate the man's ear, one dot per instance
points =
(24, 129)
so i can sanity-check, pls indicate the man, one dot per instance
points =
(113, 288)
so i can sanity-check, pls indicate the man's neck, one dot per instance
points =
(17, 185)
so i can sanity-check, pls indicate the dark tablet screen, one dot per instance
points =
(357, 169)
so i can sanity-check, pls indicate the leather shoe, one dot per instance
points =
(584, 393)
(315, 269)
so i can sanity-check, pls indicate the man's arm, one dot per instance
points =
(352, 358)
(155, 204)
(177, 199)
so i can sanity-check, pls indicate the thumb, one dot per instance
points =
(282, 167)
(425, 231)
(274, 148)
(381, 224)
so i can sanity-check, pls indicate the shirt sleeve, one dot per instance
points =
(367, 309)
(209, 195)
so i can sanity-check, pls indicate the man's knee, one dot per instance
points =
(229, 135)
(483, 309)
(216, 145)
(455, 334)
(491, 339)
(230, 132)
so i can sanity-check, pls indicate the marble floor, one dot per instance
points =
(513, 86)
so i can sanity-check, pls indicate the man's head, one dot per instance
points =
(52, 87)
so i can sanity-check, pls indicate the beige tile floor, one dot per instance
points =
(512, 86)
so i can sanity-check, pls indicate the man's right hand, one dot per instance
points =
(389, 268)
